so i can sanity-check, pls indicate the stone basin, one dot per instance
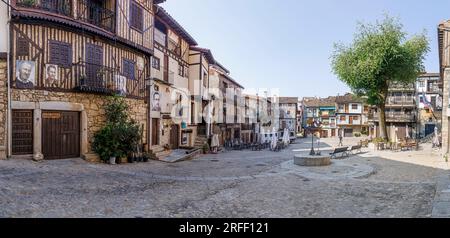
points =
(309, 160)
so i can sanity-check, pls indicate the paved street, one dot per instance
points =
(231, 184)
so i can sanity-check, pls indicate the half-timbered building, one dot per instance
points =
(66, 57)
(170, 93)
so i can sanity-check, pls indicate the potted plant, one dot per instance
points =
(28, 3)
(206, 148)
(106, 144)
(120, 136)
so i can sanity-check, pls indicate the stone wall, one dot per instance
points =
(93, 106)
(3, 107)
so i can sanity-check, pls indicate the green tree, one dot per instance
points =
(379, 56)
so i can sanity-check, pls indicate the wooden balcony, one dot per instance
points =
(87, 11)
(60, 7)
(394, 117)
(400, 102)
(90, 12)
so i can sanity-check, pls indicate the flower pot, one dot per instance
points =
(112, 160)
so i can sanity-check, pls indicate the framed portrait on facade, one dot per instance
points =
(121, 84)
(156, 103)
(51, 76)
(25, 74)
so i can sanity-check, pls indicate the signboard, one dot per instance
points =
(51, 115)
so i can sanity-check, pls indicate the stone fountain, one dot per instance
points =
(315, 158)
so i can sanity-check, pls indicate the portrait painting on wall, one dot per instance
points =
(121, 84)
(51, 76)
(25, 74)
(156, 104)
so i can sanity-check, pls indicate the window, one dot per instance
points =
(421, 99)
(186, 71)
(136, 16)
(342, 118)
(180, 69)
(156, 63)
(23, 47)
(356, 118)
(341, 107)
(60, 53)
(128, 68)
(354, 106)
(421, 84)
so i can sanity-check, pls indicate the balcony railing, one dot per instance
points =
(247, 127)
(99, 79)
(401, 101)
(61, 7)
(394, 117)
(96, 15)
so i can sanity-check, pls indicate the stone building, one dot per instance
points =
(65, 58)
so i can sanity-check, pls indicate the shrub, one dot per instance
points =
(120, 136)
(206, 148)
(357, 135)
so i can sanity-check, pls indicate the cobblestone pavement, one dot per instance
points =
(230, 184)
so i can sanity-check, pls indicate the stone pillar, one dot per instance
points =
(445, 111)
(37, 135)
(84, 134)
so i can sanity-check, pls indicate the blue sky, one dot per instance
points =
(287, 44)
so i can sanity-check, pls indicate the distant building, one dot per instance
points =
(401, 113)
(351, 115)
(288, 108)
(322, 110)
(429, 103)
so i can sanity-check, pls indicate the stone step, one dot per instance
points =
(161, 155)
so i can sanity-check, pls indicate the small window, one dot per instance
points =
(180, 70)
(156, 63)
(186, 72)
(128, 69)
(356, 118)
(136, 16)
(23, 47)
(343, 118)
(60, 53)
(354, 106)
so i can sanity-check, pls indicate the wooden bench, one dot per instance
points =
(356, 148)
(343, 151)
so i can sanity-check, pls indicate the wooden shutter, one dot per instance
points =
(60, 53)
(136, 16)
(23, 47)
(128, 69)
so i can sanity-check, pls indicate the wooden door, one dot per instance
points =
(22, 132)
(60, 134)
(155, 131)
(333, 133)
(350, 120)
(94, 62)
(174, 137)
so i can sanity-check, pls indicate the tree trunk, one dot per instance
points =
(382, 120)
(382, 112)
